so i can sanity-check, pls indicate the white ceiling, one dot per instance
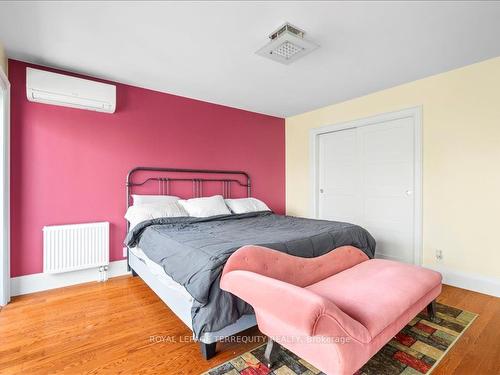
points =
(206, 50)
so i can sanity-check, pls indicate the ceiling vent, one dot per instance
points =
(287, 45)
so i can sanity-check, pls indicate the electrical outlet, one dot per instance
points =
(125, 252)
(439, 255)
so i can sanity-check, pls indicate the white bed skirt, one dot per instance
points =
(177, 298)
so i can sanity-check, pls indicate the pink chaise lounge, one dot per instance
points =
(335, 311)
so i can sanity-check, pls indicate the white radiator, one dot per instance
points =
(75, 247)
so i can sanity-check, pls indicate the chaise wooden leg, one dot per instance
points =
(431, 310)
(270, 354)
(208, 350)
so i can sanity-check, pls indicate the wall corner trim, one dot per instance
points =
(40, 281)
(474, 282)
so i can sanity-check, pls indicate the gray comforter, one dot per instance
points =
(193, 251)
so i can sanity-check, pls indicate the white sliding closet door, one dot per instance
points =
(339, 178)
(366, 176)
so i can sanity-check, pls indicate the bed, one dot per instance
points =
(181, 259)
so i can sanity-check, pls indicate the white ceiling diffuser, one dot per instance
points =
(287, 44)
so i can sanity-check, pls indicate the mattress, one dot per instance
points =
(160, 274)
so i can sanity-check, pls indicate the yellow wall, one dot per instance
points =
(461, 160)
(3, 59)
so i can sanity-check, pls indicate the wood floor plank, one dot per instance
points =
(107, 328)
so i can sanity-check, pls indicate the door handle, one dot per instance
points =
(409, 192)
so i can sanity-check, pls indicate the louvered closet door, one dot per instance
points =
(366, 177)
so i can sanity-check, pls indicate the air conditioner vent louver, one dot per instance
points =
(287, 44)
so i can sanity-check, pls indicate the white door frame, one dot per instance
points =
(416, 114)
(4, 189)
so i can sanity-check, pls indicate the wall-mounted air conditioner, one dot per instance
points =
(59, 89)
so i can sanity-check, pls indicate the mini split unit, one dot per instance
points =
(67, 91)
(287, 45)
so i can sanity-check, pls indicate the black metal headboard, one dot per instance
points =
(164, 181)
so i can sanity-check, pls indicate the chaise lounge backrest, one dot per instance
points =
(290, 269)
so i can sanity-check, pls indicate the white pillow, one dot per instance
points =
(149, 199)
(141, 212)
(204, 207)
(244, 205)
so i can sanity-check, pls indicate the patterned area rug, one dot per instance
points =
(415, 350)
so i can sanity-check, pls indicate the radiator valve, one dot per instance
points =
(103, 273)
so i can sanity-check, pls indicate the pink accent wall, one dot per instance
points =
(69, 165)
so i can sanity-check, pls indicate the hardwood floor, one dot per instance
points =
(121, 327)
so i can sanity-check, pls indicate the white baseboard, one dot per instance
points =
(42, 281)
(476, 283)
